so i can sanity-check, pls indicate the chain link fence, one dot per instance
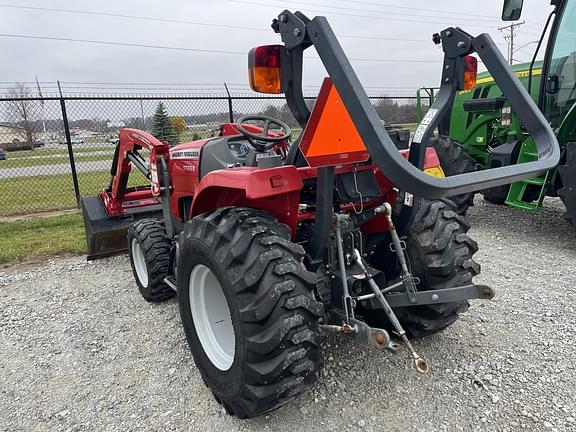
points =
(55, 149)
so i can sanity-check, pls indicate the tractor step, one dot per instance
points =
(535, 181)
(106, 236)
(527, 194)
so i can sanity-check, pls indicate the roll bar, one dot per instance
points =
(298, 33)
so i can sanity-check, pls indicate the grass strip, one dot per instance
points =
(47, 236)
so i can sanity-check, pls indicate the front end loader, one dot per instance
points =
(270, 244)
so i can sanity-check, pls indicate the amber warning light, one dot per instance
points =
(264, 69)
(470, 72)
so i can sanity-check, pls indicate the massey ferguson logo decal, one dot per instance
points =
(185, 154)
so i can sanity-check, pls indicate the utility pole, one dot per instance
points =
(510, 39)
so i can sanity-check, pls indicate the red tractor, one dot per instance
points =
(269, 243)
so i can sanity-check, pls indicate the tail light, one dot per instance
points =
(470, 72)
(264, 69)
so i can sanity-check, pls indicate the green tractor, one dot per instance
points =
(483, 132)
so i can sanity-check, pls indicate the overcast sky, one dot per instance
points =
(23, 59)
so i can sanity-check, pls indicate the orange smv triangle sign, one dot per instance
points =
(330, 137)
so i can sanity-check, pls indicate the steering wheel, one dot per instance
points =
(262, 141)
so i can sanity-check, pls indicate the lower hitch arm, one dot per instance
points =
(405, 276)
(420, 364)
(346, 298)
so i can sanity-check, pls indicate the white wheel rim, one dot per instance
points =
(139, 263)
(212, 318)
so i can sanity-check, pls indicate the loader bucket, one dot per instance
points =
(106, 236)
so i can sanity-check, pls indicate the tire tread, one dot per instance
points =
(156, 247)
(274, 295)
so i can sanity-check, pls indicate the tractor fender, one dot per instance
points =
(275, 190)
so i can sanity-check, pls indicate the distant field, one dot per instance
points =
(52, 160)
(411, 126)
(79, 148)
(23, 195)
(27, 194)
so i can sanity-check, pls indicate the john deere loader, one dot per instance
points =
(485, 131)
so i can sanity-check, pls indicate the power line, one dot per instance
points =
(525, 45)
(521, 61)
(532, 32)
(136, 17)
(135, 45)
(522, 51)
(535, 24)
(416, 9)
(177, 21)
(377, 11)
(197, 50)
(26, 82)
(529, 24)
(383, 38)
(350, 15)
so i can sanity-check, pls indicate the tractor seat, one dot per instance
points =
(294, 155)
(222, 153)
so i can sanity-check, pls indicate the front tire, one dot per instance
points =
(149, 251)
(266, 302)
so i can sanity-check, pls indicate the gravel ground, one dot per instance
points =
(81, 350)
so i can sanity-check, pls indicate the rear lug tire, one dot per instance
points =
(264, 298)
(454, 160)
(439, 253)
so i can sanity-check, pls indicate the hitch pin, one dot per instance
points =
(344, 328)
(419, 362)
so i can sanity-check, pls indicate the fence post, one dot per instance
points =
(432, 98)
(142, 113)
(69, 144)
(230, 109)
(419, 114)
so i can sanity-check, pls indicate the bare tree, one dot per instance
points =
(392, 112)
(20, 111)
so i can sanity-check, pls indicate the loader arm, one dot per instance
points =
(125, 157)
(108, 215)
(131, 140)
(299, 32)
